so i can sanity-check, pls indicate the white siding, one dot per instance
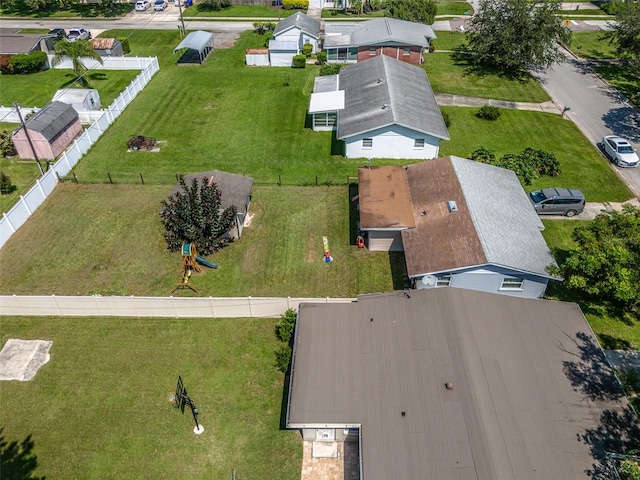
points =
(291, 35)
(304, 38)
(281, 58)
(392, 142)
(384, 241)
(257, 59)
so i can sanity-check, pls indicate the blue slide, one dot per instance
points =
(205, 262)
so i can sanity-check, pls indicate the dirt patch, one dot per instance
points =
(311, 251)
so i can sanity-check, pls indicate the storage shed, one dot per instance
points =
(257, 57)
(79, 98)
(195, 47)
(108, 47)
(281, 53)
(49, 132)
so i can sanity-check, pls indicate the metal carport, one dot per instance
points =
(197, 46)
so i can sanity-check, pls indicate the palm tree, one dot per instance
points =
(76, 51)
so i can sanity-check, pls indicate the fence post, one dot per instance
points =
(141, 179)
(110, 181)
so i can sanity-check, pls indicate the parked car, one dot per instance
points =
(78, 34)
(59, 32)
(142, 5)
(619, 151)
(178, 3)
(160, 5)
(557, 201)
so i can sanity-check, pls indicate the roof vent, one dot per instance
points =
(448, 386)
(453, 207)
(380, 80)
(385, 105)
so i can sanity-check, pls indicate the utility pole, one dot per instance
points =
(184, 31)
(26, 132)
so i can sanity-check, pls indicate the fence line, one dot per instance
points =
(12, 220)
(10, 115)
(161, 307)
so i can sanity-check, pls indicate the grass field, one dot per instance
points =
(99, 408)
(592, 45)
(104, 239)
(247, 11)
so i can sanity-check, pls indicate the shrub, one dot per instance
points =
(447, 120)
(322, 57)
(307, 49)
(286, 326)
(268, 37)
(610, 8)
(29, 63)
(484, 155)
(299, 61)
(6, 144)
(5, 65)
(528, 165)
(214, 4)
(488, 112)
(330, 69)
(6, 187)
(125, 45)
(283, 358)
(295, 4)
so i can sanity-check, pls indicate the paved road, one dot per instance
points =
(595, 107)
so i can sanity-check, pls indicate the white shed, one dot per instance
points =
(79, 98)
(281, 53)
(258, 57)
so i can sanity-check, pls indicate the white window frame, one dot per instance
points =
(418, 143)
(406, 51)
(373, 51)
(367, 143)
(512, 283)
(443, 281)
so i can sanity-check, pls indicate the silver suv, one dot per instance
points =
(557, 201)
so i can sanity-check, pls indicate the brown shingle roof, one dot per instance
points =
(442, 240)
(385, 201)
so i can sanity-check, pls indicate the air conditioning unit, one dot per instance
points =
(453, 207)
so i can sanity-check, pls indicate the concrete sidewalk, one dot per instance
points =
(461, 101)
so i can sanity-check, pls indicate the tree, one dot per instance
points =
(514, 34)
(624, 34)
(76, 51)
(605, 265)
(527, 166)
(421, 11)
(194, 215)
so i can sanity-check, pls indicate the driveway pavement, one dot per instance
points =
(592, 209)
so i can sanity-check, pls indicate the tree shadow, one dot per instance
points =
(610, 342)
(337, 146)
(354, 214)
(624, 121)
(472, 65)
(17, 460)
(399, 275)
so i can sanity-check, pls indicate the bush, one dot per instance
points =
(322, 57)
(283, 358)
(488, 113)
(299, 61)
(29, 63)
(528, 165)
(5, 65)
(286, 326)
(6, 144)
(330, 69)
(295, 4)
(214, 4)
(6, 187)
(307, 49)
(610, 8)
(125, 45)
(447, 120)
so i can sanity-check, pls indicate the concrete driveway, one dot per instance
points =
(592, 209)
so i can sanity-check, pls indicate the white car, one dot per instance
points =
(160, 5)
(142, 5)
(619, 151)
(78, 34)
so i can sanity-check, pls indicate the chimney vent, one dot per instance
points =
(453, 207)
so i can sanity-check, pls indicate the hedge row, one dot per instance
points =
(23, 63)
(295, 4)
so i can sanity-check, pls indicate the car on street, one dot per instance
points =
(78, 34)
(557, 201)
(619, 151)
(58, 32)
(142, 5)
(160, 5)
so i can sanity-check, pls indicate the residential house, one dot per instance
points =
(13, 43)
(48, 132)
(453, 384)
(234, 189)
(459, 222)
(399, 39)
(300, 29)
(108, 47)
(382, 108)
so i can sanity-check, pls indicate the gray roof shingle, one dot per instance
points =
(53, 119)
(403, 88)
(379, 31)
(309, 25)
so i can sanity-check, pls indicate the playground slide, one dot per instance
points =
(205, 262)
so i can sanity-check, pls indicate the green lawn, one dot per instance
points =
(103, 10)
(621, 77)
(37, 89)
(581, 165)
(448, 41)
(104, 239)
(453, 8)
(247, 11)
(99, 408)
(591, 45)
(451, 73)
(22, 173)
(613, 332)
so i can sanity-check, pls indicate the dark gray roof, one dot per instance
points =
(402, 87)
(309, 25)
(53, 119)
(14, 43)
(197, 40)
(531, 386)
(235, 189)
(380, 31)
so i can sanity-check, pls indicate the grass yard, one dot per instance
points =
(22, 173)
(37, 89)
(622, 79)
(613, 332)
(104, 239)
(451, 73)
(99, 409)
(236, 11)
(581, 165)
(448, 41)
(453, 8)
(591, 45)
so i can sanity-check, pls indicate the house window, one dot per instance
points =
(418, 143)
(367, 143)
(511, 283)
(331, 119)
(372, 51)
(406, 51)
(443, 281)
(324, 119)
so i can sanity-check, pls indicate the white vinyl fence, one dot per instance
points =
(161, 307)
(28, 203)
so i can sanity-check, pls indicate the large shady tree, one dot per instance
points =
(624, 34)
(76, 51)
(513, 34)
